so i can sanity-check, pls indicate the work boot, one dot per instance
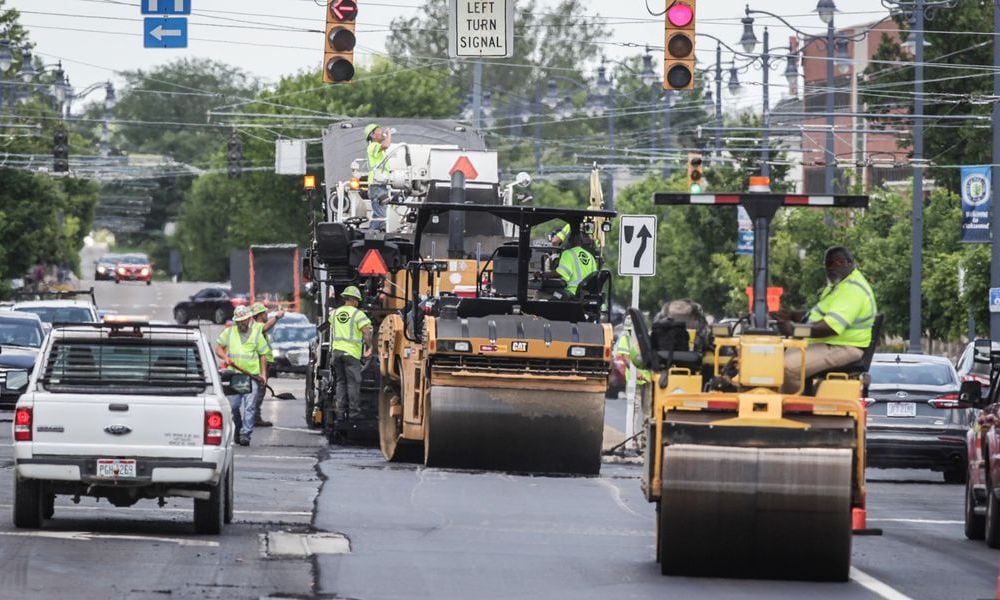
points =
(243, 441)
(263, 423)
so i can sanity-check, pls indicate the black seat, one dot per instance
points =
(593, 284)
(672, 345)
(861, 365)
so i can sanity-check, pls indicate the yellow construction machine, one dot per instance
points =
(487, 364)
(748, 481)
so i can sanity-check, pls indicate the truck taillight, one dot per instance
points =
(947, 401)
(868, 401)
(213, 428)
(22, 424)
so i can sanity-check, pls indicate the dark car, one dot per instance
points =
(290, 342)
(212, 304)
(915, 419)
(21, 336)
(104, 267)
(134, 267)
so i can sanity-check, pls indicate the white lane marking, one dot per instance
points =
(875, 586)
(616, 495)
(273, 457)
(282, 513)
(926, 521)
(86, 536)
(302, 429)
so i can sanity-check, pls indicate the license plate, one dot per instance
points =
(901, 409)
(116, 468)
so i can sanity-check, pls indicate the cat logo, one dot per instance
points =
(343, 317)
(519, 346)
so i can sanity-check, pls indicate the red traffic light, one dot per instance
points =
(344, 10)
(680, 14)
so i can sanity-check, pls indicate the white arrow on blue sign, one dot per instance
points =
(164, 33)
(166, 7)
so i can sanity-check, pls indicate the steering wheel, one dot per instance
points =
(354, 221)
(642, 338)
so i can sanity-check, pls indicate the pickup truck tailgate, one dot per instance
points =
(88, 425)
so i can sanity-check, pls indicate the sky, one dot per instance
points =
(96, 39)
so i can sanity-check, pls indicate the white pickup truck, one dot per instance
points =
(125, 411)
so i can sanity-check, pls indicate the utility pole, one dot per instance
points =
(718, 101)
(477, 94)
(667, 97)
(765, 165)
(917, 219)
(830, 157)
(538, 127)
(995, 175)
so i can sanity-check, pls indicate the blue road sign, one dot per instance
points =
(166, 7)
(164, 33)
(994, 299)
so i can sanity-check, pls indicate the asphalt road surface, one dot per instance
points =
(410, 532)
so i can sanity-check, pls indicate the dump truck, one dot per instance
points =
(748, 481)
(508, 374)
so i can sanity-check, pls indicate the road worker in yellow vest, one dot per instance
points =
(351, 340)
(576, 262)
(259, 312)
(244, 347)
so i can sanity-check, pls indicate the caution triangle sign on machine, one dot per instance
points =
(372, 265)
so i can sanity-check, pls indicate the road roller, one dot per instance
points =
(508, 373)
(750, 482)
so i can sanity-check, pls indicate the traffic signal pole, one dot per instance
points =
(765, 163)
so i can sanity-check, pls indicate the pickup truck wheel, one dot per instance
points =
(219, 317)
(992, 524)
(310, 399)
(228, 518)
(955, 475)
(209, 515)
(28, 507)
(181, 316)
(49, 508)
(975, 525)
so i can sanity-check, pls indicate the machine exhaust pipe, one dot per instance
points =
(456, 218)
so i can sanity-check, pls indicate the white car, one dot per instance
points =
(60, 311)
(125, 412)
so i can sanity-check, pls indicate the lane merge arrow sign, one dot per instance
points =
(637, 245)
(164, 33)
(166, 7)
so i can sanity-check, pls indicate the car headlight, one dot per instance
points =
(121, 270)
(102, 270)
(145, 271)
(278, 353)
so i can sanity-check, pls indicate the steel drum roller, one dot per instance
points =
(540, 431)
(756, 512)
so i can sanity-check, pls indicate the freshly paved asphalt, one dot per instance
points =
(416, 532)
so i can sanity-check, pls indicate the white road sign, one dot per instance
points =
(637, 245)
(481, 28)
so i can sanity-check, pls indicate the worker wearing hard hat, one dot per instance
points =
(260, 320)
(575, 262)
(351, 341)
(243, 346)
(379, 139)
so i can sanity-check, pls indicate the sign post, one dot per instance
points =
(636, 257)
(481, 28)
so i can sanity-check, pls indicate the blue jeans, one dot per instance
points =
(378, 195)
(245, 410)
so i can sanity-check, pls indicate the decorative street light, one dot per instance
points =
(734, 80)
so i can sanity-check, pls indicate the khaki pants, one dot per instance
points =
(819, 357)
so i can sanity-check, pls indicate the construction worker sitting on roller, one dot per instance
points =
(559, 238)
(379, 139)
(840, 322)
(243, 346)
(351, 340)
(575, 263)
(260, 320)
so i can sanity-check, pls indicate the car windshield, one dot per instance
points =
(134, 260)
(18, 332)
(293, 334)
(109, 258)
(60, 314)
(137, 367)
(892, 373)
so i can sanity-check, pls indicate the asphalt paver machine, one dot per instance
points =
(748, 481)
(506, 374)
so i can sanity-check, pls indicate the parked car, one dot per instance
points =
(915, 419)
(21, 335)
(970, 370)
(125, 412)
(104, 267)
(291, 340)
(134, 267)
(214, 304)
(60, 311)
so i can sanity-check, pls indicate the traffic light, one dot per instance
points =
(695, 184)
(338, 61)
(235, 156)
(60, 152)
(678, 49)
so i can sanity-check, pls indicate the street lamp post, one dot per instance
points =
(916, 11)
